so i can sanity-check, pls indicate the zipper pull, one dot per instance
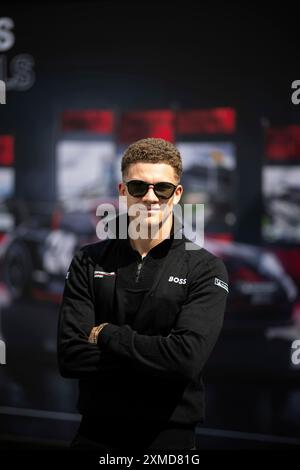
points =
(138, 272)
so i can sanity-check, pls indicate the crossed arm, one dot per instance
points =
(85, 349)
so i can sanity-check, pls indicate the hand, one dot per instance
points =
(93, 338)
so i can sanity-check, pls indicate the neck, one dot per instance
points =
(162, 232)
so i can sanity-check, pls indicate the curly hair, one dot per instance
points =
(152, 150)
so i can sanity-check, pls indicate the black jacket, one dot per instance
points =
(152, 368)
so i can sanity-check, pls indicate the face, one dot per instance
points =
(158, 209)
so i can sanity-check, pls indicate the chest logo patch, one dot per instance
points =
(100, 274)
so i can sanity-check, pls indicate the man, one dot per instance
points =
(140, 316)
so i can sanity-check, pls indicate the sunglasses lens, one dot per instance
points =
(137, 188)
(164, 190)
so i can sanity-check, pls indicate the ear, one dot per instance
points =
(122, 189)
(178, 194)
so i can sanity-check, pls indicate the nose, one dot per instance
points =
(150, 196)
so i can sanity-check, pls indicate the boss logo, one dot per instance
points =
(177, 280)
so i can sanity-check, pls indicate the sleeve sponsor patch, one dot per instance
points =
(222, 284)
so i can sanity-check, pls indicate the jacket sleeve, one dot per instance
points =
(76, 356)
(183, 353)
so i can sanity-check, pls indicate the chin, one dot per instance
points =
(152, 220)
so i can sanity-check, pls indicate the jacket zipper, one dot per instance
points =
(138, 272)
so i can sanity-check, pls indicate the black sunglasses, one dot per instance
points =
(137, 188)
